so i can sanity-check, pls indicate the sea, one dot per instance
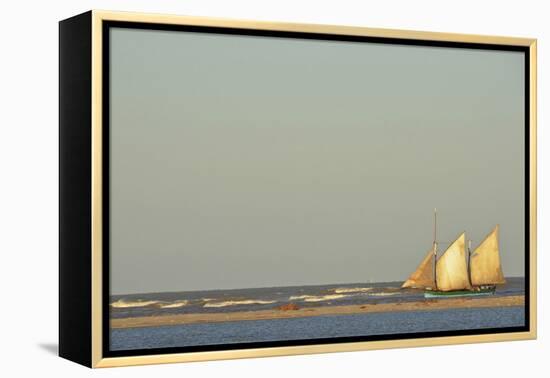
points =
(317, 327)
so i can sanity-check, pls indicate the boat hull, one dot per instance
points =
(459, 293)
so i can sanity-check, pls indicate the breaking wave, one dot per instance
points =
(317, 298)
(341, 290)
(383, 294)
(128, 304)
(236, 303)
(175, 304)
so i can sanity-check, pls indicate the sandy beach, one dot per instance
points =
(431, 304)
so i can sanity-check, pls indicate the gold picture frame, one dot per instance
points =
(81, 242)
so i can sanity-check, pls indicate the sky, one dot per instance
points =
(240, 161)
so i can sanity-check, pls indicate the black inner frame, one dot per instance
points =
(106, 25)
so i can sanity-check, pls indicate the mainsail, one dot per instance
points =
(423, 276)
(451, 268)
(485, 268)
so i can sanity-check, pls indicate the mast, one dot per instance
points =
(469, 260)
(435, 249)
(424, 274)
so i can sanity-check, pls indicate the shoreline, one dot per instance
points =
(430, 304)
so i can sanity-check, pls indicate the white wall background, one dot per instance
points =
(28, 185)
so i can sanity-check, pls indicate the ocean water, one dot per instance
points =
(315, 327)
(223, 301)
(185, 302)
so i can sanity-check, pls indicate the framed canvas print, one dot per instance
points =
(234, 189)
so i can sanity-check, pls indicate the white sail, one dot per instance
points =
(423, 276)
(485, 268)
(451, 267)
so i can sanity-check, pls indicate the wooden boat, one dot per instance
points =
(456, 273)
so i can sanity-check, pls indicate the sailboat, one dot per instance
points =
(457, 272)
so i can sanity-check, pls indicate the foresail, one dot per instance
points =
(423, 276)
(485, 265)
(451, 267)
